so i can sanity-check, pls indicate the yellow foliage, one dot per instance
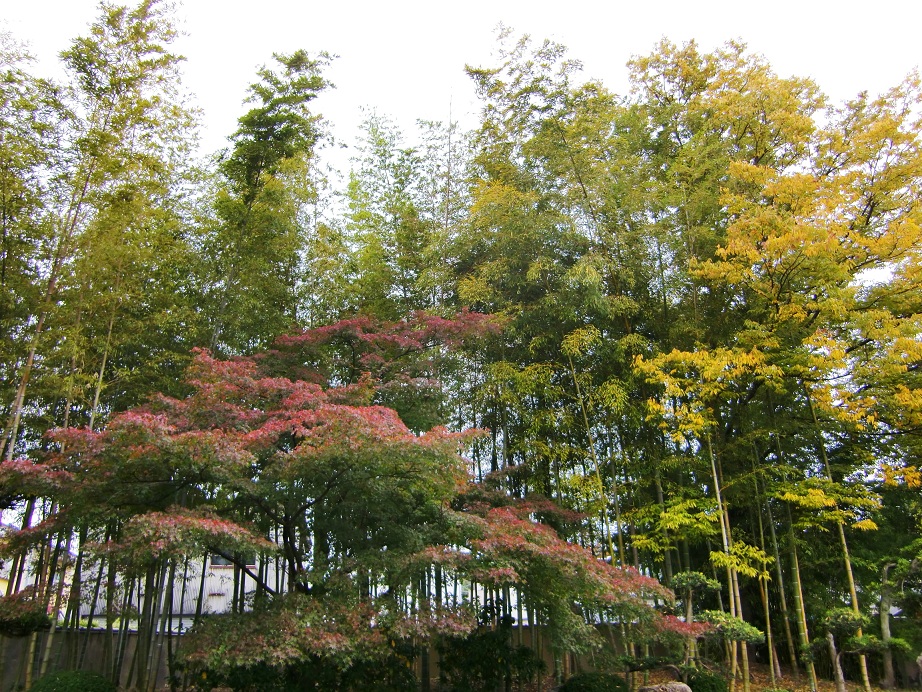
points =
(810, 498)
(580, 341)
(911, 476)
(694, 381)
(496, 202)
(746, 559)
(474, 289)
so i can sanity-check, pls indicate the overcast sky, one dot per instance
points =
(406, 58)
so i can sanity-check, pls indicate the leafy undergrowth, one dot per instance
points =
(761, 681)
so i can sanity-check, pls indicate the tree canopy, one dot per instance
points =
(601, 347)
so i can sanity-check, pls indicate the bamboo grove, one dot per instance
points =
(599, 350)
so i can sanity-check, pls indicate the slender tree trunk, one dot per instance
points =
(72, 617)
(836, 663)
(92, 613)
(235, 605)
(97, 390)
(888, 681)
(763, 591)
(19, 560)
(122, 642)
(799, 604)
(109, 654)
(44, 593)
(763, 579)
(30, 659)
(616, 496)
(162, 610)
(11, 434)
(691, 644)
(182, 592)
(59, 256)
(147, 622)
(782, 592)
(58, 597)
(595, 460)
(862, 659)
(732, 583)
(667, 557)
(201, 591)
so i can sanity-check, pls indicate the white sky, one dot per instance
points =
(406, 58)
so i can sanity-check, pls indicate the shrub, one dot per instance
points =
(73, 681)
(595, 682)
(731, 628)
(704, 681)
(22, 614)
(485, 658)
(389, 675)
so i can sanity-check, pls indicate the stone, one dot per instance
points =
(666, 687)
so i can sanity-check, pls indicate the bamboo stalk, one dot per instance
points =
(821, 445)
(799, 603)
(59, 594)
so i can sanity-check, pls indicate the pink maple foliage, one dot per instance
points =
(341, 353)
(297, 445)
(179, 532)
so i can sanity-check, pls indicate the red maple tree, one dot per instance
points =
(292, 455)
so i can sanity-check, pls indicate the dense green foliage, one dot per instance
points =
(700, 369)
(485, 659)
(706, 681)
(391, 675)
(73, 681)
(594, 682)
